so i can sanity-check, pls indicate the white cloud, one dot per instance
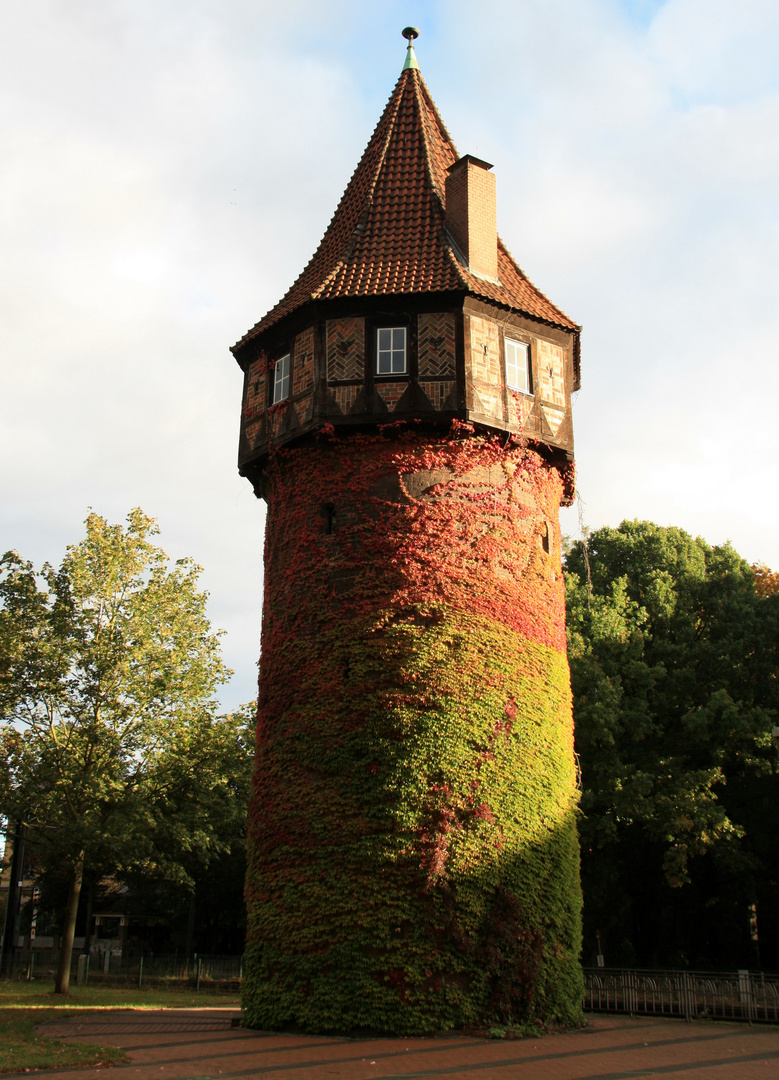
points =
(718, 51)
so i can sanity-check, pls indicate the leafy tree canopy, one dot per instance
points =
(193, 875)
(108, 669)
(674, 663)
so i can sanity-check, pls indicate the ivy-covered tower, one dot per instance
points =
(406, 416)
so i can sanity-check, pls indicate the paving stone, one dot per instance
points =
(204, 1045)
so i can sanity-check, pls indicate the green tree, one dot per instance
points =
(108, 668)
(195, 863)
(673, 664)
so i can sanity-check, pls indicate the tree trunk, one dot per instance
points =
(190, 926)
(11, 930)
(87, 947)
(62, 981)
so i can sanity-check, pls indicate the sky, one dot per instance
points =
(167, 167)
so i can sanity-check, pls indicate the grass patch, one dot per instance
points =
(21, 1050)
(26, 995)
(24, 1005)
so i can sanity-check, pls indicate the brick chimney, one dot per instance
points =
(470, 214)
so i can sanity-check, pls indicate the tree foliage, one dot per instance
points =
(766, 580)
(673, 654)
(108, 667)
(193, 873)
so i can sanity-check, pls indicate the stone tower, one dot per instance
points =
(413, 858)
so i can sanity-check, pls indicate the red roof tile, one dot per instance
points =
(387, 235)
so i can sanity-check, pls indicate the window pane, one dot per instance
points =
(281, 379)
(511, 364)
(517, 365)
(391, 350)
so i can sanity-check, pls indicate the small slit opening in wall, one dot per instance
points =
(328, 511)
(546, 537)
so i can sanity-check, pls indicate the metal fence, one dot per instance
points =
(192, 971)
(740, 995)
(110, 968)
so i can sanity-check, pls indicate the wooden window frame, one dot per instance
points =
(283, 364)
(378, 331)
(524, 345)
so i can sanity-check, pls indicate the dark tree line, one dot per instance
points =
(674, 652)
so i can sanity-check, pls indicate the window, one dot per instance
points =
(546, 537)
(391, 350)
(517, 365)
(281, 379)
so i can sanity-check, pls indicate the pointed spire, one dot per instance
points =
(411, 64)
(389, 234)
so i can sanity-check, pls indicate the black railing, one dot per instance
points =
(109, 968)
(739, 995)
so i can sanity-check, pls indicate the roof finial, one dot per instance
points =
(411, 32)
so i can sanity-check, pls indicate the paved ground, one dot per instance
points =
(201, 1044)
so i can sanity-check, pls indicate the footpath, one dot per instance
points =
(204, 1044)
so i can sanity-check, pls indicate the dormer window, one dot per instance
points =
(517, 365)
(281, 379)
(391, 350)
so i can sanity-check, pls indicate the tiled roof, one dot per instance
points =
(387, 235)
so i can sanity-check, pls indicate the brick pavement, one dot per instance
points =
(201, 1044)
